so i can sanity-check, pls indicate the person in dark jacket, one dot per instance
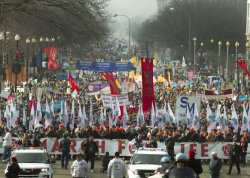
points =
(65, 146)
(105, 162)
(215, 165)
(244, 146)
(138, 141)
(170, 147)
(36, 142)
(193, 163)
(234, 156)
(13, 169)
(90, 149)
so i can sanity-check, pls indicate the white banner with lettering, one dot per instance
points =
(109, 99)
(186, 102)
(203, 150)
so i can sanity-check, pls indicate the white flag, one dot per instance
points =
(7, 116)
(211, 123)
(84, 117)
(24, 118)
(65, 115)
(171, 115)
(164, 117)
(218, 114)
(32, 118)
(13, 115)
(140, 117)
(153, 116)
(47, 117)
(91, 119)
(196, 119)
(72, 116)
(102, 120)
(38, 114)
(234, 120)
(125, 118)
(189, 119)
(223, 122)
(244, 120)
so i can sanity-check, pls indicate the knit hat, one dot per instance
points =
(191, 154)
(13, 159)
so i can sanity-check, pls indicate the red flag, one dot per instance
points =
(111, 79)
(241, 63)
(73, 83)
(147, 84)
(51, 52)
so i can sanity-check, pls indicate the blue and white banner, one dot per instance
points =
(104, 66)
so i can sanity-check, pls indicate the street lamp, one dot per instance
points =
(219, 55)
(189, 30)
(227, 44)
(17, 38)
(27, 60)
(194, 39)
(33, 40)
(238, 71)
(41, 51)
(129, 29)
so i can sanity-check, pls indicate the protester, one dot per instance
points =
(138, 142)
(36, 141)
(193, 163)
(7, 145)
(181, 169)
(90, 150)
(105, 162)
(65, 147)
(79, 167)
(13, 168)
(116, 167)
(234, 156)
(244, 146)
(215, 165)
(170, 143)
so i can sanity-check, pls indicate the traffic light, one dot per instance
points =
(18, 56)
(22, 56)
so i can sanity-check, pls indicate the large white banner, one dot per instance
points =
(109, 99)
(186, 102)
(125, 147)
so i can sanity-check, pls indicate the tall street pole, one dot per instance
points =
(194, 39)
(238, 71)
(27, 60)
(129, 31)
(227, 44)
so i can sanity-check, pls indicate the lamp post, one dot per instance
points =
(17, 38)
(129, 29)
(33, 40)
(227, 44)
(53, 41)
(238, 71)
(41, 51)
(194, 39)
(27, 59)
(189, 30)
(219, 55)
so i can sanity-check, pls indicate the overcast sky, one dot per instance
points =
(133, 8)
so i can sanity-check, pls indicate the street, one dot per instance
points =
(62, 173)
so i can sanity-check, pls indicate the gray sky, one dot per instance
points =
(138, 10)
(133, 8)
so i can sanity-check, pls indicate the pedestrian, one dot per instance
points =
(244, 146)
(90, 149)
(7, 145)
(65, 147)
(215, 165)
(105, 162)
(116, 167)
(193, 163)
(170, 142)
(13, 169)
(36, 141)
(138, 142)
(79, 168)
(234, 156)
(181, 170)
